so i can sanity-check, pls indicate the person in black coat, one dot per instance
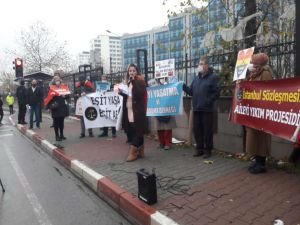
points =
(1, 110)
(22, 101)
(34, 100)
(59, 110)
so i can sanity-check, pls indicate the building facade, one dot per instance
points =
(84, 58)
(184, 36)
(106, 51)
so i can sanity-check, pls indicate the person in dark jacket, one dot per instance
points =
(136, 112)
(21, 94)
(204, 91)
(1, 110)
(82, 88)
(59, 111)
(35, 98)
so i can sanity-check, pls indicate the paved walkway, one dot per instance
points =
(190, 191)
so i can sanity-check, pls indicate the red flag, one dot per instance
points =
(56, 91)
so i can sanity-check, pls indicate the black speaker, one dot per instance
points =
(147, 191)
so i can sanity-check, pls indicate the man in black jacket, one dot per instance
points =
(204, 91)
(35, 98)
(22, 101)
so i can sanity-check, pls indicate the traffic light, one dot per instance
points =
(18, 67)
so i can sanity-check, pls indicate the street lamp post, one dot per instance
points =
(297, 37)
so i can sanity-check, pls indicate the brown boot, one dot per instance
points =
(133, 154)
(141, 152)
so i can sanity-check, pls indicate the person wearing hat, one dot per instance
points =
(258, 143)
(21, 94)
(82, 88)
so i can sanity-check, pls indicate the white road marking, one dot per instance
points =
(37, 207)
(2, 130)
(5, 135)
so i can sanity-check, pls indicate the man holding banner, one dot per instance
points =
(84, 87)
(204, 91)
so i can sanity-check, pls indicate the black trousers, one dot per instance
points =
(11, 109)
(22, 113)
(137, 139)
(105, 130)
(203, 130)
(1, 115)
(58, 124)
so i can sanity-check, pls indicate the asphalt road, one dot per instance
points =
(39, 191)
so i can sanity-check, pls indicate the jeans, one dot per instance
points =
(36, 110)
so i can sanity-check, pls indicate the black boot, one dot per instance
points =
(252, 164)
(198, 152)
(207, 154)
(260, 166)
(57, 138)
(104, 134)
(62, 137)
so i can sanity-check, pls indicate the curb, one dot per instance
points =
(124, 202)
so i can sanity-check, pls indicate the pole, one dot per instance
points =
(297, 37)
(110, 65)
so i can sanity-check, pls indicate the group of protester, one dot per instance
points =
(30, 98)
(204, 90)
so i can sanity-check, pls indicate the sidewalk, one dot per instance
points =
(200, 193)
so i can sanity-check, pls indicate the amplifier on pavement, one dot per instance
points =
(147, 191)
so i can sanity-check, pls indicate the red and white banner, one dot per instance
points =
(56, 91)
(270, 106)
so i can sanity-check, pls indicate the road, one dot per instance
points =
(39, 191)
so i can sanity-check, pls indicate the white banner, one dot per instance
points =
(79, 109)
(164, 68)
(102, 110)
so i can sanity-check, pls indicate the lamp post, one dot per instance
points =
(297, 37)
(110, 58)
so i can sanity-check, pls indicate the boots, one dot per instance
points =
(198, 152)
(141, 152)
(133, 154)
(260, 165)
(207, 153)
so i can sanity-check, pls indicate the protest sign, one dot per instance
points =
(165, 100)
(54, 90)
(102, 86)
(164, 68)
(242, 63)
(79, 108)
(270, 106)
(102, 109)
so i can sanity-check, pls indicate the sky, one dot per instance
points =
(78, 21)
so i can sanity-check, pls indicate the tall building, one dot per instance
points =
(106, 51)
(83, 58)
(132, 42)
(162, 43)
(186, 31)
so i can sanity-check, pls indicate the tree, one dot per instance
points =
(41, 51)
(6, 83)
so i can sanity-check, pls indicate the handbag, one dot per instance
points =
(164, 119)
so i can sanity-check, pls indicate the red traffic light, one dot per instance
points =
(18, 67)
(18, 62)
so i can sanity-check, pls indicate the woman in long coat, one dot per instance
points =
(59, 110)
(258, 143)
(136, 105)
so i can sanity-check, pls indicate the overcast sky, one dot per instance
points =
(78, 21)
